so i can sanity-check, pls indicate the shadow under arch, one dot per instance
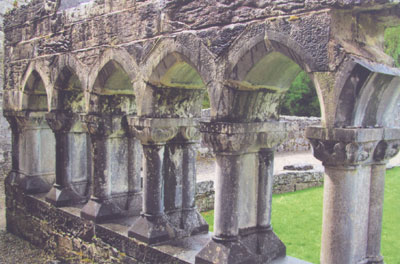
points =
(34, 93)
(112, 91)
(368, 95)
(179, 71)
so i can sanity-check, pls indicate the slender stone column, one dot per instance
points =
(111, 187)
(62, 193)
(385, 150)
(153, 225)
(347, 154)
(180, 181)
(242, 231)
(33, 152)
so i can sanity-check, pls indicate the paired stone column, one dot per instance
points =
(347, 155)
(72, 160)
(243, 192)
(385, 150)
(115, 170)
(169, 179)
(33, 168)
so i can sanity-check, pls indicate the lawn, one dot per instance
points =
(297, 220)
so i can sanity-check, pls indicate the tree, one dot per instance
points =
(301, 99)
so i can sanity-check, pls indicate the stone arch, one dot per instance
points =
(368, 94)
(35, 88)
(180, 69)
(69, 81)
(111, 83)
(260, 67)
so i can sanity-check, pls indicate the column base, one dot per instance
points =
(135, 201)
(193, 222)
(269, 245)
(59, 196)
(152, 229)
(29, 184)
(229, 252)
(98, 210)
(374, 260)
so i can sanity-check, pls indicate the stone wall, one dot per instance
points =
(296, 127)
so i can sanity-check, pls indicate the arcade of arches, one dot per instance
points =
(104, 100)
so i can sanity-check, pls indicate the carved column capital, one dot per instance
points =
(237, 138)
(344, 146)
(98, 125)
(22, 120)
(190, 133)
(389, 146)
(60, 121)
(160, 130)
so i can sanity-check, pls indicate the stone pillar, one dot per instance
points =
(112, 195)
(386, 149)
(242, 230)
(63, 192)
(180, 181)
(153, 226)
(33, 168)
(169, 178)
(347, 154)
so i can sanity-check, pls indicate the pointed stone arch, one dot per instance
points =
(111, 83)
(35, 88)
(260, 66)
(367, 94)
(183, 68)
(69, 82)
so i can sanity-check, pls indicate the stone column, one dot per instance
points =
(153, 226)
(62, 193)
(180, 181)
(347, 154)
(112, 195)
(386, 149)
(242, 231)
(33, 152)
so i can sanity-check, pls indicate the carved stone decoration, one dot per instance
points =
(344, 146)
(60, 121)
(97, 125)
(386, 149)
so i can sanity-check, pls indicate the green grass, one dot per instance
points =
(297, 220)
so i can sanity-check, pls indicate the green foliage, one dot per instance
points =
(301, 99)
(392, 43)
(206, 101)
(297, 220)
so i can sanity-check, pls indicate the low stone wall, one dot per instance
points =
(286, 181)
(296, 127)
